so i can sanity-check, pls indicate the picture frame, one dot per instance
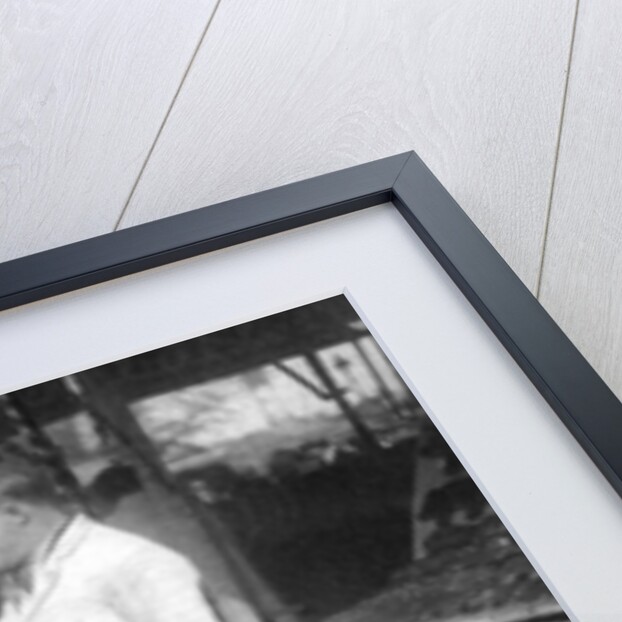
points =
(42, 290)
(573, 389)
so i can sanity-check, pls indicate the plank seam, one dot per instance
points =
(166, 116)
(547, 218)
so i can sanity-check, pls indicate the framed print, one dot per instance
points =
(328, 401)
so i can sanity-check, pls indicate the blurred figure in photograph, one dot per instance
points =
(58, 565)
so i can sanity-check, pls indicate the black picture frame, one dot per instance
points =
(573, 389)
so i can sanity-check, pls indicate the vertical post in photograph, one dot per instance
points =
(234, 587)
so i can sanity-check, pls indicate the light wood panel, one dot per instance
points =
(84, 87)
(282, 91)
(582, 276)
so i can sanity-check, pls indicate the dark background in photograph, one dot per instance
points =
(289, 461)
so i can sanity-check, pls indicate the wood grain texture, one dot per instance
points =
(84, 87)
(582, 275)
(282, 91)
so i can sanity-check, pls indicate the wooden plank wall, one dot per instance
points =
(113, 114)
(582, 276)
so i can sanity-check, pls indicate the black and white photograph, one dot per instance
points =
(275, 471)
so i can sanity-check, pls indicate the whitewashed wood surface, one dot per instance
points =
(284, 90)
(582, 277)
(109, 119)
(84, 87)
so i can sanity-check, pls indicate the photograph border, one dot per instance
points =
(557, 369)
